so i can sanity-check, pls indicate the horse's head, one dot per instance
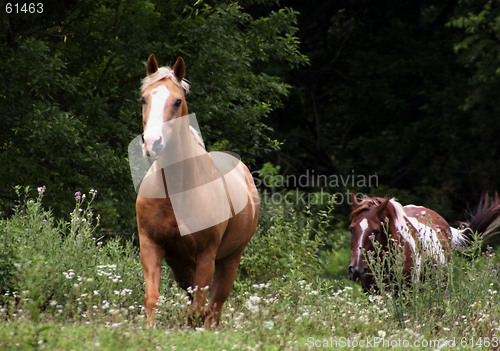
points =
(162, 100)
(367, 219)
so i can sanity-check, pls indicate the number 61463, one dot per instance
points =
(16, 8)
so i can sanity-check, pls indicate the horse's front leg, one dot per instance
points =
(151, 257)
(225, 274)
(205, 266)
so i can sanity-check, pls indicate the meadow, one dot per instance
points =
(65, 286)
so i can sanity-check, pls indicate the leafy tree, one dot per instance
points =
(386, 93)
(71, 76)
(478, 51)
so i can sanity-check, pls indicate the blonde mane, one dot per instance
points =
(164, 73)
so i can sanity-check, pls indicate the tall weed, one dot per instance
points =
(286, 244)
(459, 293)
(62, 267)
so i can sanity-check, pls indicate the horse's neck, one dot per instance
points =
(153, 184)
(191, 168)
(182, 161)
(402, 226)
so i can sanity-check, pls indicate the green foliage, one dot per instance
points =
(285, 246)
(337, 256)
(269, 177)
(393, 89)
(71, 78)
(8, 258)
(72, 292)
(65, 268)
(223, 45)
(480, 23)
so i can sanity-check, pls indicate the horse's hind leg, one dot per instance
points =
(151, 257)
(225, 273)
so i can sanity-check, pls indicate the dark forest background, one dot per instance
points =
(407, 90)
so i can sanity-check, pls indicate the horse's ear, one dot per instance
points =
(354, 200)
(382, 209)
(179, 69)
(152, 65)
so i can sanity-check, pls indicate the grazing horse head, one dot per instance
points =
(162, 100)
(367, 220)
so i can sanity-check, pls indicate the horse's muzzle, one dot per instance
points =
(152, 147)
(357, 274)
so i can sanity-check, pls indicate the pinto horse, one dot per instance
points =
(415, 228)
(211, 253)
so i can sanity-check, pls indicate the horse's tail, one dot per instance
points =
(485, 220)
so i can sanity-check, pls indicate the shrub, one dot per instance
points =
(286, 245)
(63, 267)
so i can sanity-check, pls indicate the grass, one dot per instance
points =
(62, 287)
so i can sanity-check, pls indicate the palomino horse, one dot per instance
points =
(414, 228)
(206, 253)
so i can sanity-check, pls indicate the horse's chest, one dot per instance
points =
(158, 223)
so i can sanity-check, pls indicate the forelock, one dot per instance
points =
(164, 73)
(365, 204)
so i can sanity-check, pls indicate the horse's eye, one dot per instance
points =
(178, 102)
(143, 100)
(351, 228)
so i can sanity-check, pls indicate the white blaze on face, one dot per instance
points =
(153, 130)
(363, 225)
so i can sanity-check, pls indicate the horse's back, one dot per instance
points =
(426, 216)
